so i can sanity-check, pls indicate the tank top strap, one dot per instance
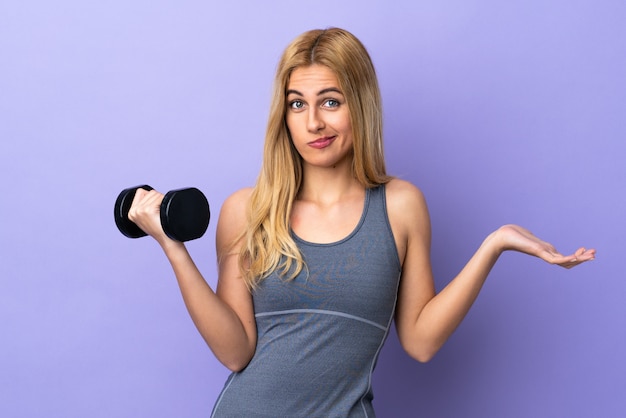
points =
(375, 208)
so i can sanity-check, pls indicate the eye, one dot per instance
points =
(296, 104)
(332, 103)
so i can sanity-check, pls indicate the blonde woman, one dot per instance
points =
(318, 258)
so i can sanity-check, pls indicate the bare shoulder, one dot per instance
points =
(237, 202)
(408, 215)
(232, 218)
(404, 199)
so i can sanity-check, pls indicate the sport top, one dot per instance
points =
(319, 336)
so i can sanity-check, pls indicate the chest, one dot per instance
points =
(361, 284)
(358, 277)
(325, 224)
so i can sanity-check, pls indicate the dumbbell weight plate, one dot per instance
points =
(185, 214)
(122, 206)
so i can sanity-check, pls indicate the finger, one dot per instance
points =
(587, 255)
(584, 254)
(153, 200)
(139, 195)
(142, 203)
(580, 256)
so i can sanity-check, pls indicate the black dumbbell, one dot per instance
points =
(185, 214)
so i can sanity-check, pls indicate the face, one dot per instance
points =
(318, 117)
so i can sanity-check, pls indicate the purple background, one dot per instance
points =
(500, 111)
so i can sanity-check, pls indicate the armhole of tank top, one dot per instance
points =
(389, 229)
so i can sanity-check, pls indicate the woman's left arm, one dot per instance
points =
(425, 319)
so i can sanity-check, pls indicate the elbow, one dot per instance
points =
(419, 350)
(234, 355)
(421, 355)
(235, 366)
(235, 363)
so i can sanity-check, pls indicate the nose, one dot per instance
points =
(314, 120)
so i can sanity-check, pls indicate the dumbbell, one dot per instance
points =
(184, 214)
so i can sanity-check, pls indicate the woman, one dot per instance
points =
(318, 257)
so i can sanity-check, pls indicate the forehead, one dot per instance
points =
(314, 77)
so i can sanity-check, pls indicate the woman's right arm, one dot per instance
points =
(224, 318)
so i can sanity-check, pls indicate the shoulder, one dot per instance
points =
(237, 201)
(408, 215)
(233, 216)
(403, 197)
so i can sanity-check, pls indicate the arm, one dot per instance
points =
(424, 319)
(225, 318)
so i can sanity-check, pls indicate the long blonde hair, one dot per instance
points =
(267, 243)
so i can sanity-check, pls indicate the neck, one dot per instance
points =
(328, 185)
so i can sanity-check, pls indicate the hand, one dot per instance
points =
(516, 238)
(145, 213)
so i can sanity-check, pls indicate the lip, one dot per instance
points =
(323, 142)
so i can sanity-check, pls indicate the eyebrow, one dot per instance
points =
(321, 92)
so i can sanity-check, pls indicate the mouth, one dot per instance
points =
(323, 142)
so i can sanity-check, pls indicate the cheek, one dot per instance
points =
(291, 121)
(294, 131)
(342, 120)
(345, 126)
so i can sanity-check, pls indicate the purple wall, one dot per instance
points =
(500, 112)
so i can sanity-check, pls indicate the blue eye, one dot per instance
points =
(296, 104)
(331, 103)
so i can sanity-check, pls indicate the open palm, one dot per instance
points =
(516, 238)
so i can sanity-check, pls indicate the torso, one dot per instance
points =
(320, 334)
